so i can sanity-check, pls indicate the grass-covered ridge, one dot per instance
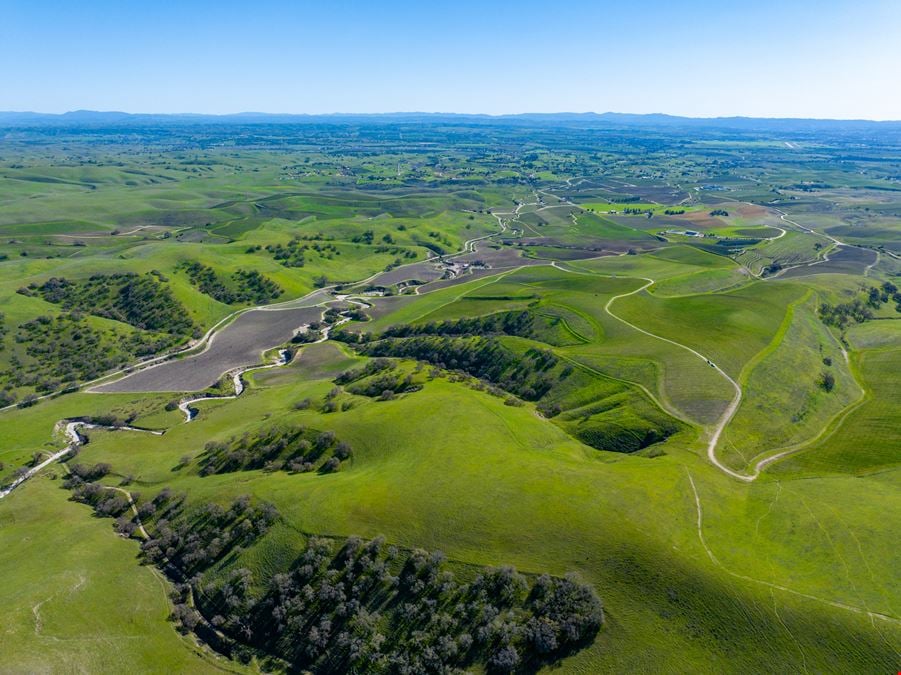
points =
(361, 605)
(600, 412)
(141, 301)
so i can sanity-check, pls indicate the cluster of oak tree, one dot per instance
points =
(297, 449)
(374, 608)
(355, 605)
(470, 345)
(243, 286)
(859, 309)
(529, 375)
(140, 300)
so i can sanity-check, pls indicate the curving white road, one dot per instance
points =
(734, 404)
(727, 415)
(71, 432)
(191, 413)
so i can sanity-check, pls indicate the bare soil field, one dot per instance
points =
(469, 275)
(423, 271)
(546, 252)
(846, 260)
(496, 258)
(660, 194)
(756, 232)
(597, 246)
(239, 344)
(698, 220)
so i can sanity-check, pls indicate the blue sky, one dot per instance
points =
(798, 58)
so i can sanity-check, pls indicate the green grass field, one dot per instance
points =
(84, 604)
(608, 516)
(552, 413)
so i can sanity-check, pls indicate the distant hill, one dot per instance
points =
(609, 119)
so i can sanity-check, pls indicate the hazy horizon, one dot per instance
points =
(388, 113)
(832, 59)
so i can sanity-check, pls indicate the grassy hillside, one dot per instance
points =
(465, 487)
(86, 605)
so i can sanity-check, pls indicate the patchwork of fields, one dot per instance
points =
(671, 390)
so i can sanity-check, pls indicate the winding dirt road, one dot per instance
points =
(238, 382)
(75, 440)
(733, 404)
(732, 408)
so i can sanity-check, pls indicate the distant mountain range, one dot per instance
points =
(785, 125)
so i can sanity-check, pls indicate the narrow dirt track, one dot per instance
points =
(733, 404)
(71, 432)
(717, 563)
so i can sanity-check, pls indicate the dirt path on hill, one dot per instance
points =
(717, 563)
(75, 441)
(727, 415)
